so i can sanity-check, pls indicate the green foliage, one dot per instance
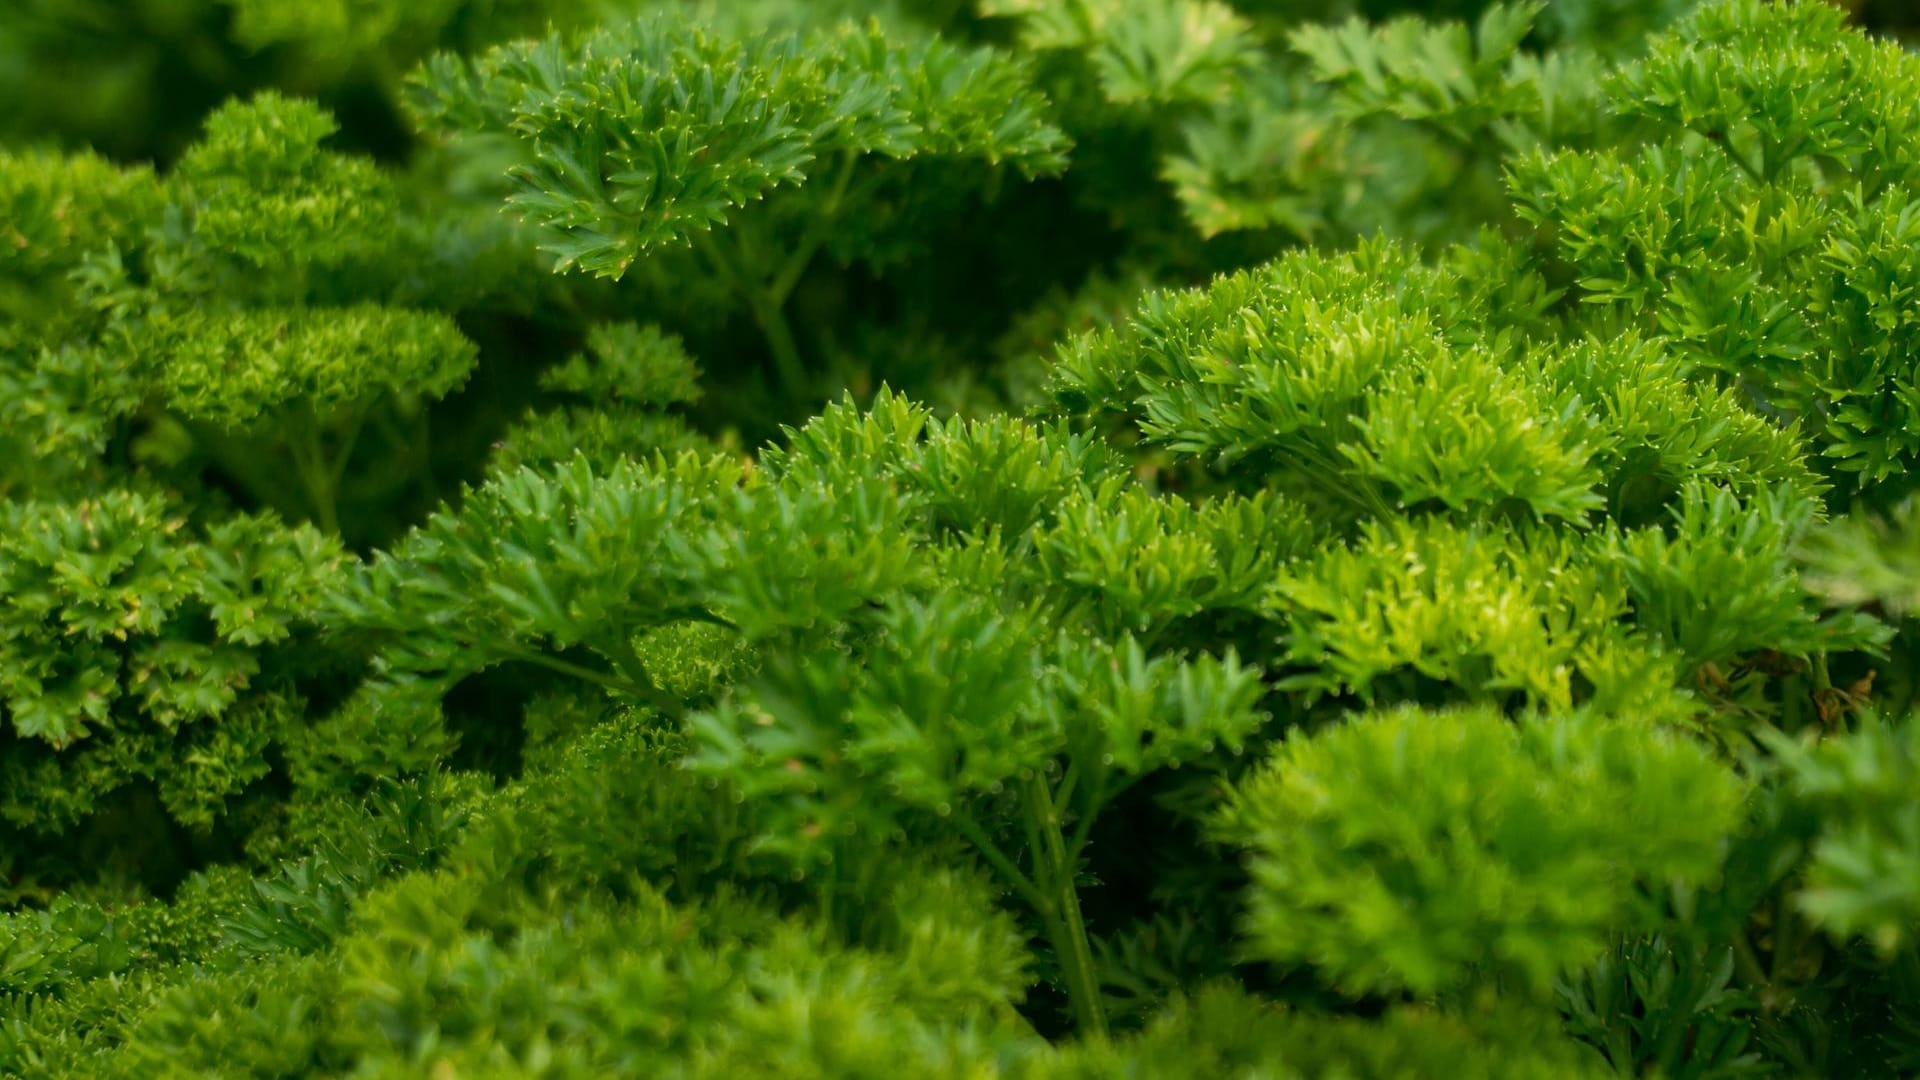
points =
(1654, 1008)
(1260, 161)
(1864, 878)
(1497, 616)
(57, 207)
(530, 561)
(269, 195)
(642, 136)
(136, 649)
(1370, 380)
(1764, 230)
(617, 394)
(1863, 560)
(1429, 850)
(1459, 82)
(1038, 538)
(236, 370)
(1222, 1032)
(1160, 53)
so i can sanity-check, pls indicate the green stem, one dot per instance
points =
(1903, 704)
(1062, 913)
(414, 443)
(787, 364)
(1063, 795)
(420, 456)
(1785, 943)
(606, 679)
(1772, 158)
(817, 233)
(1747, 962)
(1083, 829)
(700, 615)
(1329, 475)
(1098, 793)
(1791, 697)
(337, 471)
(647, 692)
(1740, 159)
(246, 466)
(316, 476)
(998, 859)
(766, 307)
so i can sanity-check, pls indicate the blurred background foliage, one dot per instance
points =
(1216, 170)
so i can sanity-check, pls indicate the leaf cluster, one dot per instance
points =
(1040, 538)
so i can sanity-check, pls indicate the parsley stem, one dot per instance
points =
(796, 265)
(243, 464)
(1736, 155)
(604, 679)
(1747, 962)
(787, 362)
(1062, 914)
(316, 475)
(1051, 894)
(337, 470)
(648, 693)
(1063, 796)
(996, 858)
(766, 306)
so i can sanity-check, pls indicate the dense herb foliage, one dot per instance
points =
(1029, 538)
